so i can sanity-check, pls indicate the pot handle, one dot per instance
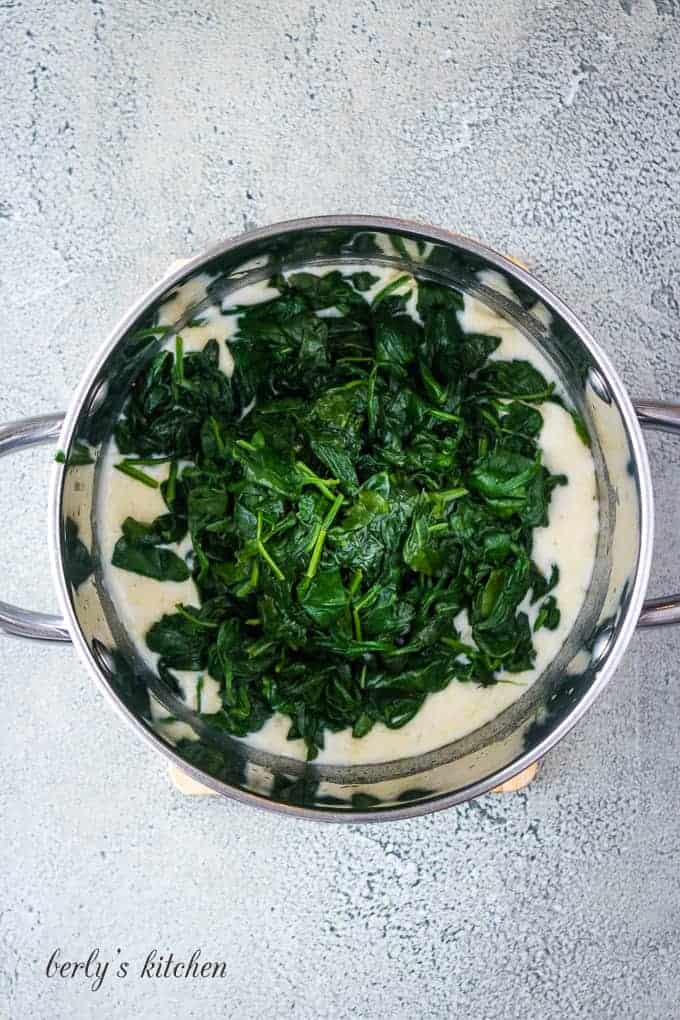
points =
(655, 414)
(16, 435)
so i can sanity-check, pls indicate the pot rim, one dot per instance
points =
(645, 494)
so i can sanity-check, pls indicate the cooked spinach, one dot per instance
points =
(361, 480)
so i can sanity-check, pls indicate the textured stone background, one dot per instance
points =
(137, 132)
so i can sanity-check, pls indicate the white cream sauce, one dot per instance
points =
(568, 541)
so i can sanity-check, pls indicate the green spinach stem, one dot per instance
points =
(197, 622)
(171, 484)
(276, 570)
(443, 415)
(322, 484)
(321, 537)
(140, 476)
(389, 289)
(179, 360)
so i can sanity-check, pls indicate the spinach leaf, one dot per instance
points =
(180, 641)
(515, 379)
(396, 341)
(324, 598)
(135, 552)
(421, 551)
(503, 475)
(548, 615)
(433, 298)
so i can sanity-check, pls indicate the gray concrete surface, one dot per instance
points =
(137, 132)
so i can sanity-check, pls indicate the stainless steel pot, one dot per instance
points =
(468, 767)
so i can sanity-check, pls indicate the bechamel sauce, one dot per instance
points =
(569, 541)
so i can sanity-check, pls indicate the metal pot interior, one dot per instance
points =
(534, 722)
